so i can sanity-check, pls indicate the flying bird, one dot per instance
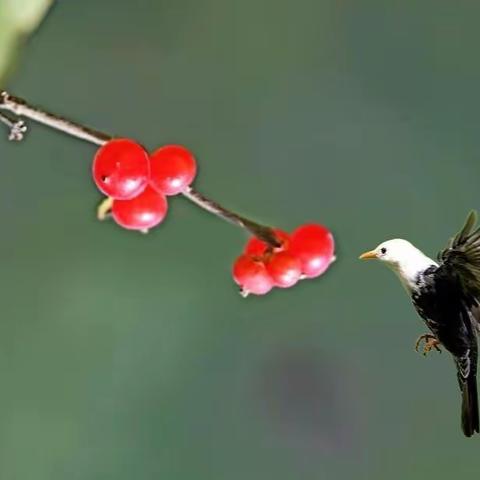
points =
(446, 294)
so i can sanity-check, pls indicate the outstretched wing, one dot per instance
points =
(460, 261)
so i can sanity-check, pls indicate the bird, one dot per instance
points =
(446, 295)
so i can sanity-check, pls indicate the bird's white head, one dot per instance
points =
(406, 260)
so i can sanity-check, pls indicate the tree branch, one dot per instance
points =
(21, 108)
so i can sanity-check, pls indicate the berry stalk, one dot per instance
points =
(265, 234)
(22, 108)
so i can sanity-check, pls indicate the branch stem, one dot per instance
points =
(22, 108)
(261, 231)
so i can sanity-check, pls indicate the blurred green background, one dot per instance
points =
(125, 356)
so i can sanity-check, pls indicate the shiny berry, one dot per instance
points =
(314, 246)
(142, 212)
(257, 247)
(173, 169)
(285, 269)
(121, 169)
(252, 276)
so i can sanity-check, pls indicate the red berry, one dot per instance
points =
(142, 212)
(121, 169)
(285, 269)
(251, 275)
(257, 247)
(173, 169)
(314, 246)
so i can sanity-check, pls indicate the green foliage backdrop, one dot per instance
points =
(126, 356)
(17, 19)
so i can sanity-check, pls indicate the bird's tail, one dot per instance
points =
(470, 423)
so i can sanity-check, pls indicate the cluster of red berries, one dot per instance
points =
(138, 183)
(306, 253)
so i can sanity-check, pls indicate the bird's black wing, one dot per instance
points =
(457, 282)
(461, 259)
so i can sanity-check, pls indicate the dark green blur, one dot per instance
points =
(127, 357)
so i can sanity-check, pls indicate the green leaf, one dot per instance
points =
(18, 18)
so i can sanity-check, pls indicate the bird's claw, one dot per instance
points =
(430, 342)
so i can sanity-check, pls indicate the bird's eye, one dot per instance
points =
(383, 251)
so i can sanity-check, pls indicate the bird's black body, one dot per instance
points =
(447, 298)
(447, 311)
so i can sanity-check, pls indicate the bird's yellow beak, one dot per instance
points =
(368, 255)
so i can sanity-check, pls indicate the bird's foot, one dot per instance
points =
(430, 343)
